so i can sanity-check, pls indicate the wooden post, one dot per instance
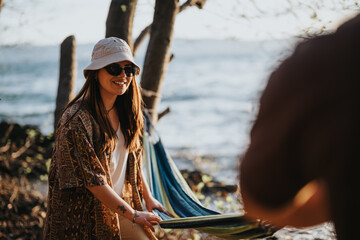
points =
(66, 88)
(158, 53)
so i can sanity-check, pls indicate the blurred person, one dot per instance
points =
(96, 185)
(300, 168)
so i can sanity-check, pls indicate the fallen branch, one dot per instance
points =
(4, 148)
(22, 149)
(7, 134)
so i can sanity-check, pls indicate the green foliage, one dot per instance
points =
(206, 178)
(47, 164)
(200, 186)
(44, 177)
(32, 133)
(199, 196)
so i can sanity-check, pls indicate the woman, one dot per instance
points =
(96, 185)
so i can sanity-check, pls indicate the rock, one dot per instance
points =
(205, 184)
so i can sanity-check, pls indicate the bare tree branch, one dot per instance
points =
(163, 113)
(139, 40)
(146, 31)
(198, 3)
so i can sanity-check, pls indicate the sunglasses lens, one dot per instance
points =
(134, 69)
(129, 71)
(115, 70)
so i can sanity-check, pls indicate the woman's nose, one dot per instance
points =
(122, 73)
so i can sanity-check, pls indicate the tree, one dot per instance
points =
(66, 88)
(120, 22)
(1, 4)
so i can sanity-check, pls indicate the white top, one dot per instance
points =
(118, 163)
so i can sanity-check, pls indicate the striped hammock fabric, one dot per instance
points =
(170, 188)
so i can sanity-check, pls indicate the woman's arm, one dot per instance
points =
(113, 201)
(309, 207)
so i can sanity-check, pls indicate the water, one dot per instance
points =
(212, 90)
(211, 86)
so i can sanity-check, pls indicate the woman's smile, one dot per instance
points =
(122, 82)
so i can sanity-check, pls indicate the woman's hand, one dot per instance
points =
(152, 203)
(146, 218)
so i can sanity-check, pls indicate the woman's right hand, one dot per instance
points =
(146, 218)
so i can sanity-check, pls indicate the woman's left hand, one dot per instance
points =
(152, 203)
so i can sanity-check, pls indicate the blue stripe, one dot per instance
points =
(183, 205)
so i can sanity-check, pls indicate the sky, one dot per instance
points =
(49, 22)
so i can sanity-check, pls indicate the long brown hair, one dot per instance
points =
(129, 110)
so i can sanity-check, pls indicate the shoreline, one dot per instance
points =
(24, 160)
(25, 155)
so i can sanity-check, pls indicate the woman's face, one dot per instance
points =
(112, 85)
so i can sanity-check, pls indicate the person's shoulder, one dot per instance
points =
(78, 117)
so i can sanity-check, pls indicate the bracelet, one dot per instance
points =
(136, 214)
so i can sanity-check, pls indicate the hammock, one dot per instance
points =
(170, 188)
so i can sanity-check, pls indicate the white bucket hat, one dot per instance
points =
(110, 50)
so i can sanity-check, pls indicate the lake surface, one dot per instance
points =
(211, 86)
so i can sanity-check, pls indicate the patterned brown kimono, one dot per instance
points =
(72, 211)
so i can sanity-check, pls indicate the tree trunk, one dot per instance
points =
(66, 88)
(120, 20)
(157, 54)
(146, 31)
(1, 4)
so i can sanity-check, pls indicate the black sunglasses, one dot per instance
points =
(115, 70)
